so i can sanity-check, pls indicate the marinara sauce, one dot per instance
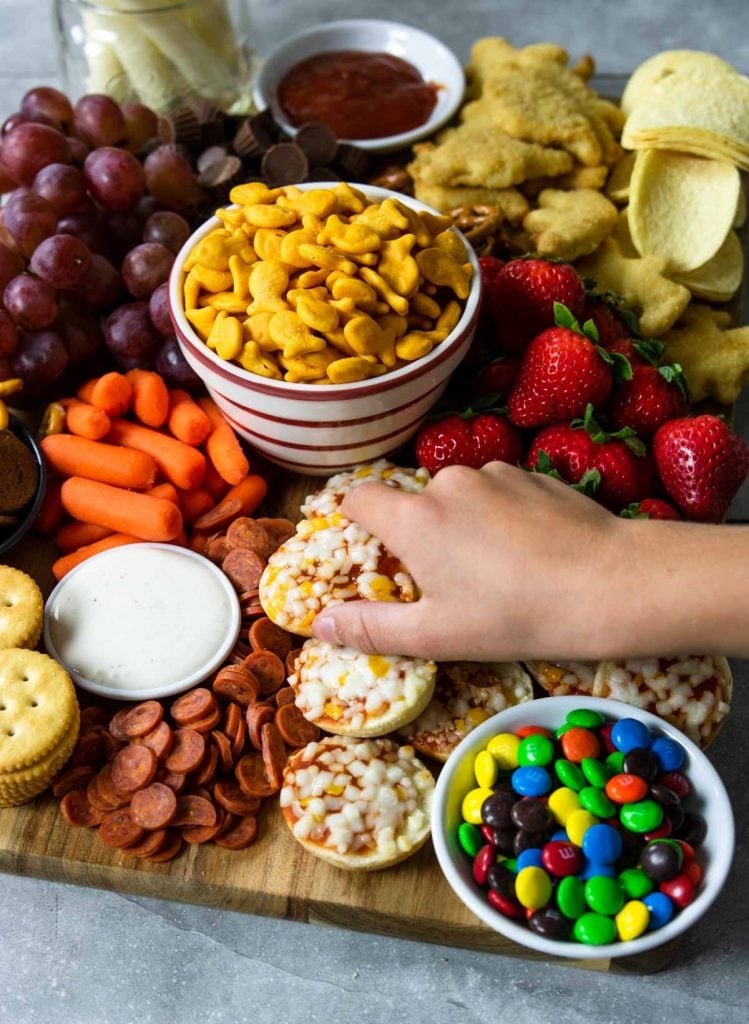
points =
(357, 94)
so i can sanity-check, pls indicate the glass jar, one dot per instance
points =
(163, 53)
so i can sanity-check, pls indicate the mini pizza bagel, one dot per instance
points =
(328, 499)
(352, 694)
(359, 804)
(329, 560)
(692, 692)
(564, 678)
(466, 694)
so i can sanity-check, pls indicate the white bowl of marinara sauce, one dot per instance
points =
(142, 621)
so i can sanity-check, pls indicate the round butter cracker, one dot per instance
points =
(21, 609)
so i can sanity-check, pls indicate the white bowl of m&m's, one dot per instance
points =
(583, 827)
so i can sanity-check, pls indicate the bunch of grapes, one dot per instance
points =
(95, 214)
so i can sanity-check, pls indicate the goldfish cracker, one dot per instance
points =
(226, 302)
(226, 336)
(441, 269)
(269, 280)
(448, 320)
(230, 218)
(202, 320)
(213, 251)
(263, 215)
(449, 243)
(338, 340)
(255, 361)
(268, 243)
(293, 295)
(191, 291)
(312, 278)
(311, 222)
(254, 192)
(293, 336)
(349, 370)
(392, 322)
(213, 280)
(366, 337)
(343, 287)
(425, 305)
(240, 277)
(319, 201)
(386, 218)
(353, 239)
(317, 314)
(413, 345)
(308, 367)
(348, 199)
(398, 268)
(322, 257)
(257, 328)
(416, 225)
(289, 247)
(397, 302)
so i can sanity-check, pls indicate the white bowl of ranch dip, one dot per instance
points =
(142, 621)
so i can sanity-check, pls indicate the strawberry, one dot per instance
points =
(581, 447)
(498, 378)
(653, 395)
(702, 464)
(650, 508)
(609, 324)
(562, 372)
(523, 296)
(638, 351)
(468, 439)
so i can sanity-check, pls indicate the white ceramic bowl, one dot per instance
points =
(709, 798)
(322, 429)
(431, 58)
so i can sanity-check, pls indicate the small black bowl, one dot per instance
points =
(10, 535)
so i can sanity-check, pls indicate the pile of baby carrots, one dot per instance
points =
(135, 461)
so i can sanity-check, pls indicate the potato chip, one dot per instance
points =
(719, 279)
(661, 65)
(698, 112)
(617, 187)
(681, 207)
(739, 217)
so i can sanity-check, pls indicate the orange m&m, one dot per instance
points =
(578, 743)
(626, 789)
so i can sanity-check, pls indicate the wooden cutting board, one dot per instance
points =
(275, 876)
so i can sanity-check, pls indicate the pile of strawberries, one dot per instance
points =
(571, 389)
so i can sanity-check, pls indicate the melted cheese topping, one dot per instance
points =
(358, 796)
(689, 691)
(329, 560)
(328, 500)
(467, 693)
(342, 684)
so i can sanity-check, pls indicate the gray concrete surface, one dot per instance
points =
(77, 956)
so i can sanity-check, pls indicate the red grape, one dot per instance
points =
(39, 360)
(20, 118)
(167, 229)
(175, 369)
(98, 120)
(158, 310)
(169, 177)
(50, 102)
(140, 125)
(29, 219)
(11, 265)
(123, 232)
(102, 285)
(114, 176)
(61, 185)
(144, 208)
(80, 330)
(87, 228)
(31, 302)
(8, 335)
(146, 267)
(78, 150)
(129, 333)
(7, 184)
(62, 261)
(29, 147)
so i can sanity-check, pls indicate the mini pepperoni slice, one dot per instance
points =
(291, 660)
(237, 743)
(73, 778)
(278, 530)
(175, 781)
(171, 848)
(253, 778)
(284, 696)
(248, 533)
(206, 770)
(257, 716)
(244, 569)
(228, 794)
(112, 746)
(78, 811)
(239, 836)
(217, 550)
(160, 740)
(187, 752)
(223, 747)
(133, 768)
(90, 749)
(251, 612)
(93, 716)
(151, 843)
(193, 811)
(239, 652)
(95, 798)
(222, 514)
(117, 725)
(205, 833)
(211, 720)
(192, 706)
(232, 717)
(268, 669)
(118, 829)
(106, 790)
(153, 807)
(294, 727)
(142, 719)
(267, 636)
(236, 683)
(274, 753)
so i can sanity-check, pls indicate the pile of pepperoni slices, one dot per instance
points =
(153, 779)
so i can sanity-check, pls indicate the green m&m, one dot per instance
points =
(595, 929)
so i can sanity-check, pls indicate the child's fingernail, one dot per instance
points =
(324, 628)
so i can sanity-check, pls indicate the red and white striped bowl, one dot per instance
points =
(321, 429)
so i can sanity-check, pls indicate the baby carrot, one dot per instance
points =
(239, 500)
(195, 504)
(222, 446)
(150, 397)
(187, 421)
(112, 393)
(168, 491)
(138, 515)
(86, 420)
(76, 535)
(179, 463)
(213, 483)
(115, 540)
(77, 456)
(51, 513)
